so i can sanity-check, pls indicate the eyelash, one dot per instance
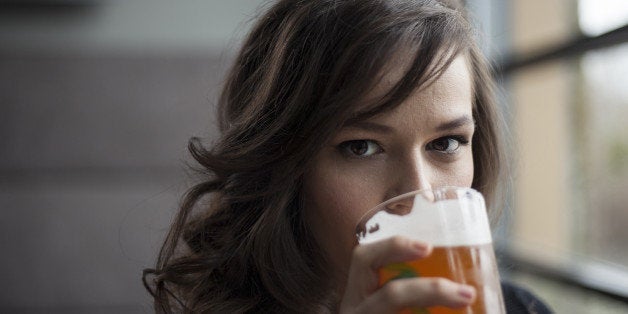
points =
(462, 141)
(345, 147)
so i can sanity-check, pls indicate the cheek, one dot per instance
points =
(334, 202)
(459, 173)
(466, 171)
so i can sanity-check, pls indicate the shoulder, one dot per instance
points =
(518, 300)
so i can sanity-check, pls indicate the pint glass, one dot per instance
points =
(454, 221)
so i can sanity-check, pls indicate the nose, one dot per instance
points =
(412, 173)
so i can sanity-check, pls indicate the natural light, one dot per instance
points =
(600, 16)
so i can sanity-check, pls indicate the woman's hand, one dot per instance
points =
(363, 296)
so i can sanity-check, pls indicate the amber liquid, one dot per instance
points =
(472, 265)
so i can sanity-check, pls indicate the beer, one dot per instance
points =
(472, 265)
(454, 221)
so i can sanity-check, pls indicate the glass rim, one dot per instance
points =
(437, 192)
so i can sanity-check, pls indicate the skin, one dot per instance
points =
(423, 143)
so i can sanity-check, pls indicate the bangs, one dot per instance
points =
(425, 50)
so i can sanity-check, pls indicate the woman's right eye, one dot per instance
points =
(360, 148)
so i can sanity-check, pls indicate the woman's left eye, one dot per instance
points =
(447, 144)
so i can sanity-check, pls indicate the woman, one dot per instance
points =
(330, 108)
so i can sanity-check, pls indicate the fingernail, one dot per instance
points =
(420, 247)
(466, 292)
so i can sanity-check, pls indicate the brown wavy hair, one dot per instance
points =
(238, 242)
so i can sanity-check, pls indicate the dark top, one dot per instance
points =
(521, 301)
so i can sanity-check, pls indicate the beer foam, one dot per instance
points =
(439, 223)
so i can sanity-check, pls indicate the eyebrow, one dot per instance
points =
(369, 126)
(376, 127)
(456, 123)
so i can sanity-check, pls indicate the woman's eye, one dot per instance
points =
(448, 144)
(360, 148)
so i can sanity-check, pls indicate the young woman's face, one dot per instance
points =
(423, 143)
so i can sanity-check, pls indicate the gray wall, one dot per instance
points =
(97, 102)
(92, 152)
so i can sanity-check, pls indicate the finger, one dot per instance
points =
(391, 250)
(418, 293)
(368, 258)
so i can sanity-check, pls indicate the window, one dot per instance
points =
(569, 102)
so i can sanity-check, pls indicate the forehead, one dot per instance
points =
(454, 85)
(445, 92)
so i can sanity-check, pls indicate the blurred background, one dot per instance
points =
(98, 99)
